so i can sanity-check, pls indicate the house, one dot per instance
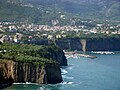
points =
(50, 37)
(58, 36)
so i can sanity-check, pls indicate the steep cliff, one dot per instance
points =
(103, 44)
(53, 52)
(89, 44)
(83, 42)
(22, 63)
(11, 71)
(56, 55)
(69, 44)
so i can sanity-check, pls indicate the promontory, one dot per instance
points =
(20, 63)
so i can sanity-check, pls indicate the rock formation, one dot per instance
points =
(58, 56)
(89, 44)
(21, 63)
(11, 71)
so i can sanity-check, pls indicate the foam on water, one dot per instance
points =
(70, 68)
(64, 71)
(64, 83)
(71, 83)
(43, 88)
(65, 76)
(25, 83)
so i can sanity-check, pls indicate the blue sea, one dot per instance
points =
(101, 73)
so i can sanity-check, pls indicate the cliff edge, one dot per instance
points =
(30, 63)
(89, 44)
(14, 72)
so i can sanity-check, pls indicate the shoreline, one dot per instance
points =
(76, 55)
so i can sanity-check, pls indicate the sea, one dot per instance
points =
(101, 73)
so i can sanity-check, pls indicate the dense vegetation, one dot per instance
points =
(28, 53)
(15, 11)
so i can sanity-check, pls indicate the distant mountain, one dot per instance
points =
(109, 9)
(21, 11)
(60, 12)
(94, 8)
(13, 10)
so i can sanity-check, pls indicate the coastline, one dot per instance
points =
(77, 54)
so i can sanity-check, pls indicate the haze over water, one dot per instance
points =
(102, 73)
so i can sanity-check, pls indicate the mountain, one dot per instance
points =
(109, 9)
(21, 11)
(95, 8)
(11, 10)
(59, 12)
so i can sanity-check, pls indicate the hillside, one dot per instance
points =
(19, 11)
(57, 12)
(97, 8)
(108, 9)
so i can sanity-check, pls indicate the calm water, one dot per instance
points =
(102, 73)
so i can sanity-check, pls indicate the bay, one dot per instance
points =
(101, 73)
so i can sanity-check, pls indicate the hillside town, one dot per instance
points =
(16, 32)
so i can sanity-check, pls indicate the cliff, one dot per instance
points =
(56, 55)
(89, 44)
(11, 71)
(21, 63)
(69, 44)
(101, 44)
(53, 52)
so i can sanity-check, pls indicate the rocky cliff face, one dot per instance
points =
(108, 44)
(55, 54)
(95, 44)
(11, 71)
(69, 44)
(58, 56)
